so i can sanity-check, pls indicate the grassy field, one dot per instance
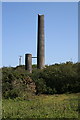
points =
(43, 106)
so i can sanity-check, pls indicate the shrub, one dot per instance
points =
(57, 78)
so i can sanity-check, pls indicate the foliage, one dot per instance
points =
(54, 79)
(58, 78)
(16, 83)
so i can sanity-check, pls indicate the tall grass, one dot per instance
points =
(43, 106)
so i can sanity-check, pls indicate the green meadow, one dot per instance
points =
(42, 106)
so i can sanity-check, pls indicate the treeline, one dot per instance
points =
(53, 79)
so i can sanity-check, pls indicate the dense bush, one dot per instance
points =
(57, 78)
(16, 83)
